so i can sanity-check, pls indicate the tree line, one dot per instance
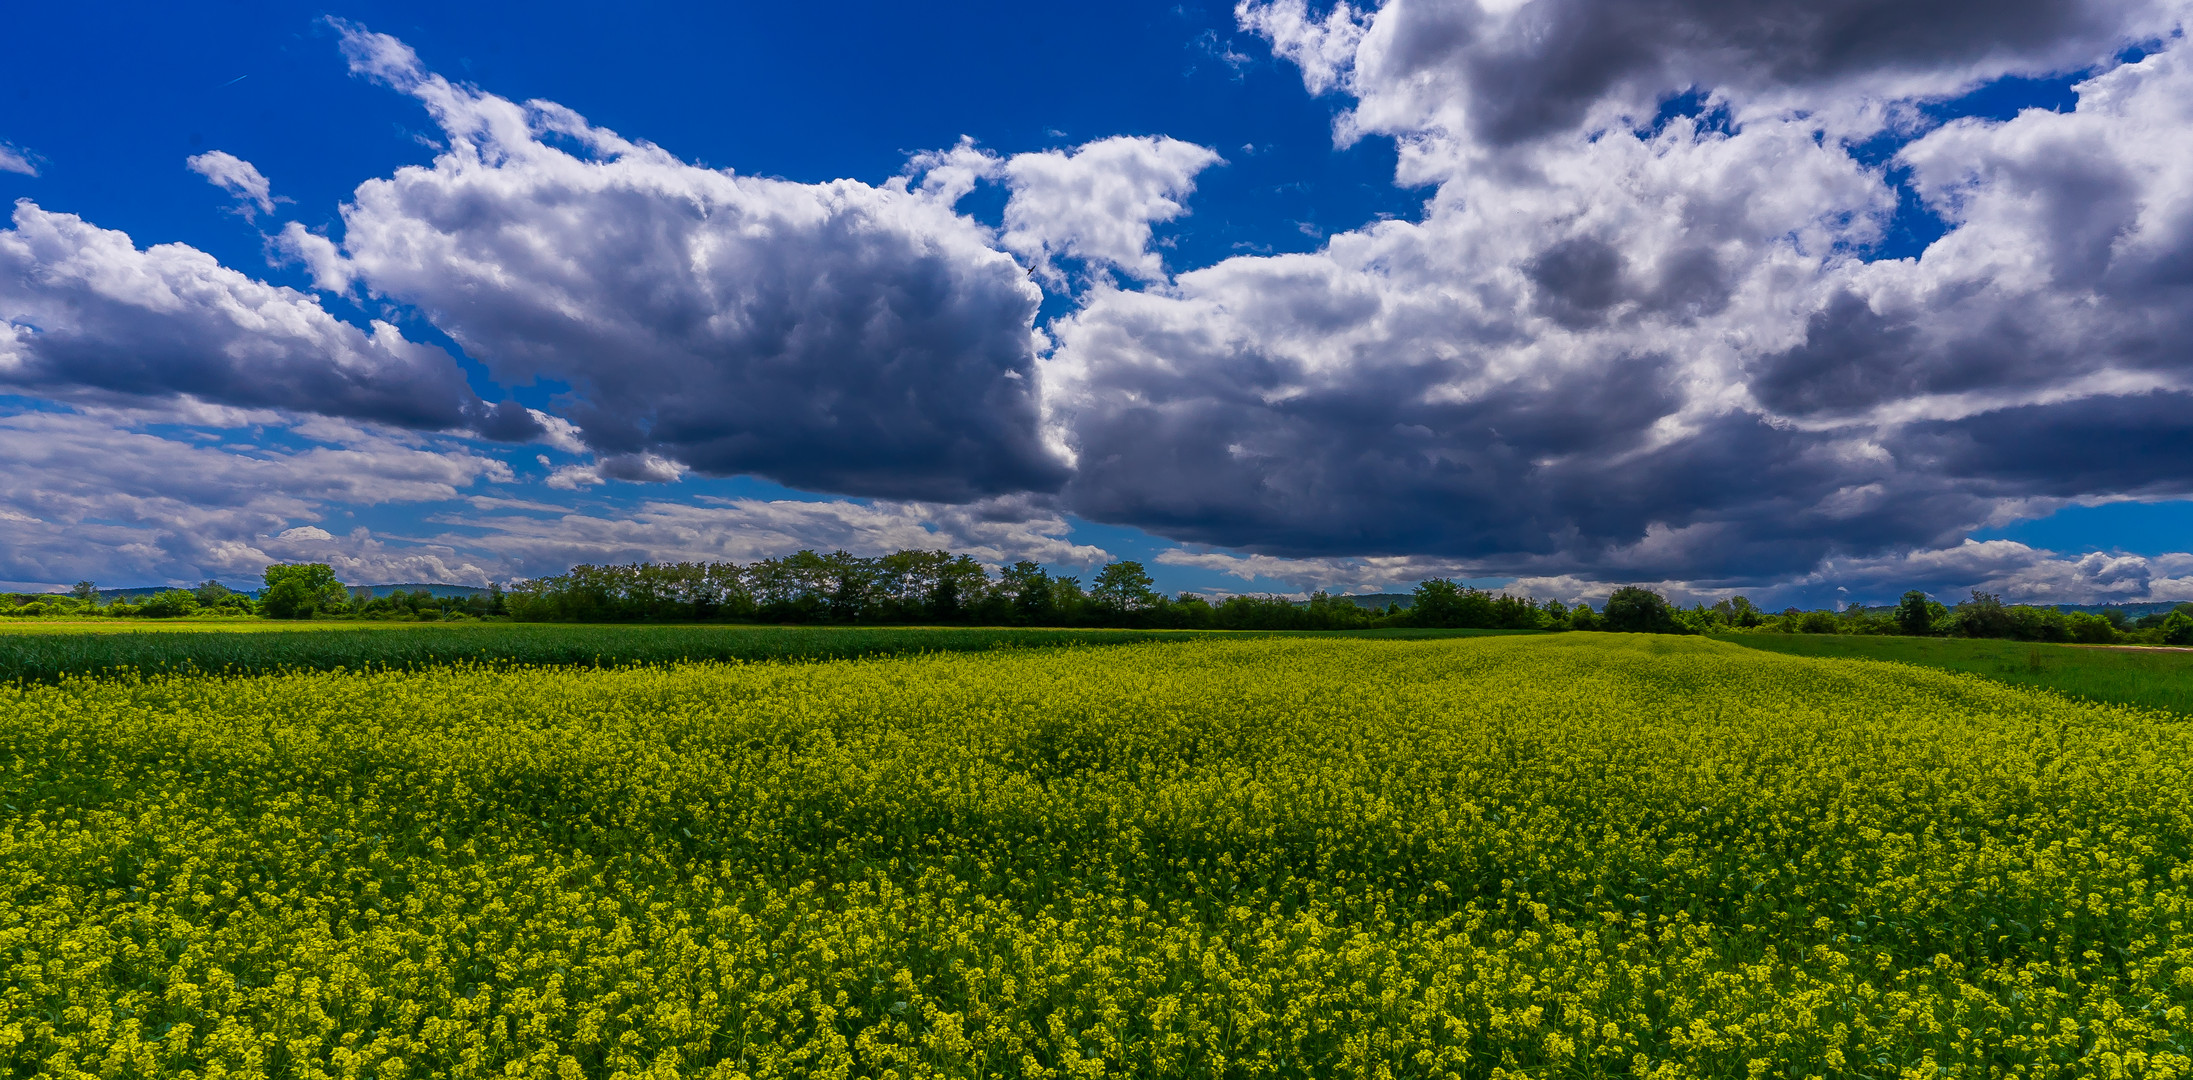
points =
(941, 587)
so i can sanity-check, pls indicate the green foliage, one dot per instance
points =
(301, 590)
(1560, 857)
(2178, 628)
(1916, 615)
(1738, 612)
(174, 603)
(2087, 628)
(1443, 603)
(940, 587)
(1123, 586)
(1817, 622)
(1634, 610)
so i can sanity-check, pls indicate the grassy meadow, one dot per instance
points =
(1580, 855)
(2150, 678)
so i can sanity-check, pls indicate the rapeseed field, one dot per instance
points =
(1564, 856)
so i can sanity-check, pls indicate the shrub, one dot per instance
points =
(174, 603)
(1819, 622)
(2090, 629)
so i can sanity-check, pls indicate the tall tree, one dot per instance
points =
(1123, 586)
(299, 590)
(1636, 610)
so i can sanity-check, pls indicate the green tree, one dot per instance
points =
(1915, 614)
(299, 590)
(1739, 611)
(1029, 587)
(86, 592)
(1985, 616)
(2178, 628)
(1636, 610)
(1437, 602)
(1123, 586)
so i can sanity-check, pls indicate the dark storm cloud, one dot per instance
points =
(2122, 445)
(84, 312)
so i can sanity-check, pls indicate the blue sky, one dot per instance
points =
(1277, 298)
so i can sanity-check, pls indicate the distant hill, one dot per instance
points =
(1375, 601)
(2133, 610)
(108, 596)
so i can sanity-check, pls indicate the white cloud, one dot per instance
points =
(994, 531)
(317, 254)
(16, 160)
(86, 315)
(88, 494)
(1324, 48)
(1619, 348)
(1098, 202)
(242, 180)
(834, 336)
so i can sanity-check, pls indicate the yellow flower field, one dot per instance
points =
(1568, 856)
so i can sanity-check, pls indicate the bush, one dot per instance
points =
(171, 604)
(2090, 629)
(1818, 622)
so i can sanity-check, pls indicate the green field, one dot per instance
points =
(1581, 855)
(263, 647)
(204, 625)
(247, 647)
(2151, 678)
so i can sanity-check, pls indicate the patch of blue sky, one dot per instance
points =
(2129, 528)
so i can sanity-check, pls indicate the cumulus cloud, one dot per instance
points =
(1624, 343)
(2006, 568)
(85, 313)
(91, 494)
(2012, 570)
(1098, 202)
(1322, 46)
(242, 180)
(837, 336)
(94, 493)
(16, 160)
(1640, 332)
(1495, 72)
(540, 539)
(316, 253)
